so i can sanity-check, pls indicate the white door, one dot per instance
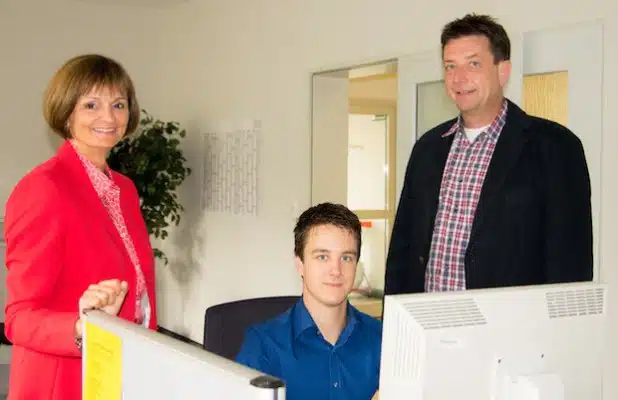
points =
(353, 142)
(576, 50)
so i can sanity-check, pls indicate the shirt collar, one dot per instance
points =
(302, 321)
(493, 130)
(102, 181)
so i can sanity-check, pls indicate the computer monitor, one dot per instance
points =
(543, 342)
(123, 360)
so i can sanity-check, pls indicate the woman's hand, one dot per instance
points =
(106, 296)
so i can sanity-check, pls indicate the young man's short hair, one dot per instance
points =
(325, 214)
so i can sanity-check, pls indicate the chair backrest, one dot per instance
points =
(225, 324)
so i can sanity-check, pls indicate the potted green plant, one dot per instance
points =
(152, 158)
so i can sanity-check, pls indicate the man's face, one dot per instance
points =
(329, 265)
(473, 80)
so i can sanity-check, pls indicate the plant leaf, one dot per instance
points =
(153, 160)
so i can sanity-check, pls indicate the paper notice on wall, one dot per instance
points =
(230, 169)
(103, 364)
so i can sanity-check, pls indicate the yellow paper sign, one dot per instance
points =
(103, 369)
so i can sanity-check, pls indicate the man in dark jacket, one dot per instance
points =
(494, 197)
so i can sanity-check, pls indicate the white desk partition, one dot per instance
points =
(124, 361)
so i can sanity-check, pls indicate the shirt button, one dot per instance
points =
(335, 384)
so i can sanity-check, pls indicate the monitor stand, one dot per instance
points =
(535, 387)
(526, 377)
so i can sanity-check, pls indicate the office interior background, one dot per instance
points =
(206, 62)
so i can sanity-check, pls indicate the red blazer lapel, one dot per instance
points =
(66, 154)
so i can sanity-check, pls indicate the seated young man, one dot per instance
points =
(323, 347)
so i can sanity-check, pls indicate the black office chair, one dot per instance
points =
(225, 324)
(3, 338)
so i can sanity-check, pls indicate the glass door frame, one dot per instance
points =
(389, 109)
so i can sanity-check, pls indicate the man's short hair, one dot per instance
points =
(480, 25)
(325, 214)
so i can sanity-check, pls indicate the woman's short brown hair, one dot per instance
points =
(77, 77)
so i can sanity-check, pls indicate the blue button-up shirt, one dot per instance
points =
(290, 347)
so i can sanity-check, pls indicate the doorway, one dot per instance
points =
(354, 157)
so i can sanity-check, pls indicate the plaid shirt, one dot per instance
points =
(462, 181)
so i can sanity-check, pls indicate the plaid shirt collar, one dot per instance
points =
(493, 130)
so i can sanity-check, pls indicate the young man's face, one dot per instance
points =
(329, 266)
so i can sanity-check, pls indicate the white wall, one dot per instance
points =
(36, 37)
(329, 176)
(255, 59)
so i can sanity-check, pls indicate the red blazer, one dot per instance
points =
(59, 240)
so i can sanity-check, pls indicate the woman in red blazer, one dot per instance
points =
(75, 237)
